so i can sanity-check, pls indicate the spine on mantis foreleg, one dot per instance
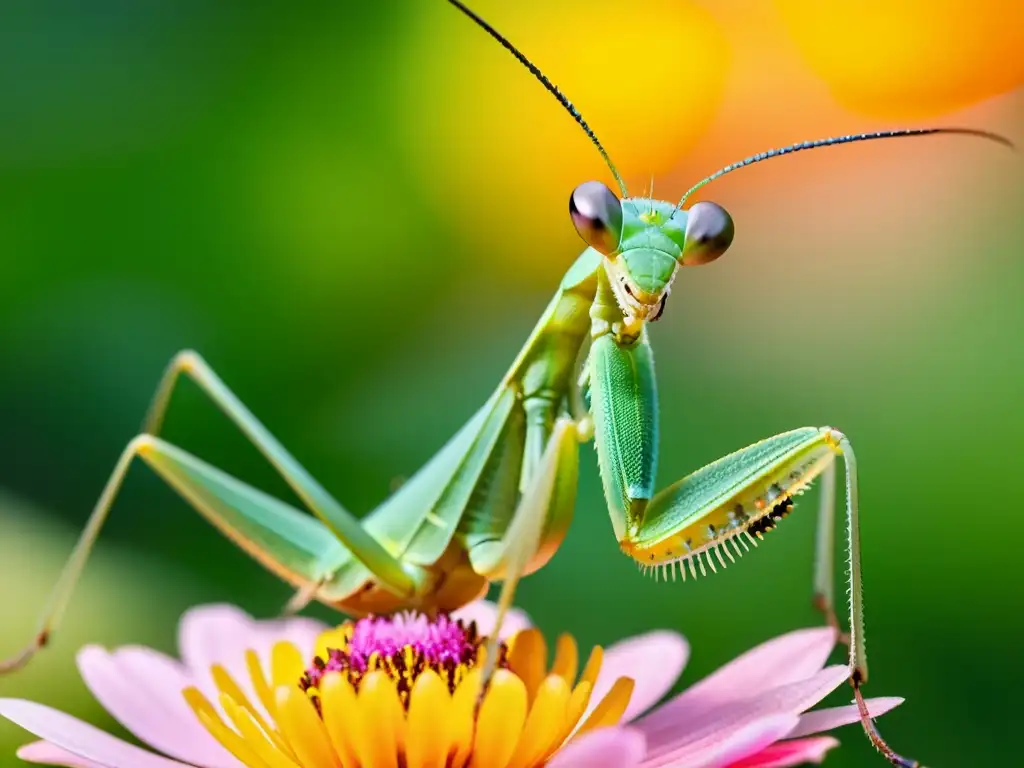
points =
(624, 406)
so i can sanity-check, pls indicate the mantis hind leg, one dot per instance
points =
(286, 541)
(738, 499)
(402, 578)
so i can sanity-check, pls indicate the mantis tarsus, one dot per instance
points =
(496, 501)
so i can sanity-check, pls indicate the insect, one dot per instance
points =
(495, 502)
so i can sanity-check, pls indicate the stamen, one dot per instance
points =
(402, 646)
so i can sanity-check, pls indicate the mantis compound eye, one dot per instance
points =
(709, 233)
(597, 215)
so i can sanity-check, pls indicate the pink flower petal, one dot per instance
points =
(221, 634)
(789, 753)
(142, 689)
(301, 631)
(785, 659)
(724, 748)
(653, 660)
(603, 748)
(47, 754)
(721, 720)
(484, 613)
(80, 738)
(212, 634)
(826, 719)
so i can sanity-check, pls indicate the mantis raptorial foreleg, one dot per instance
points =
(727, 506)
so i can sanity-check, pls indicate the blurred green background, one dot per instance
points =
(355, 212)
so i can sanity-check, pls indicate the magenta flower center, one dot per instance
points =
(403, 645)
(439, 641)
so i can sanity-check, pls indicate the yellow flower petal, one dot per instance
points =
(286, 664)
(500, 721)
(382, 722)
(528, 658)
(427, 739)
(333, 725)
(461, 723)
(611, 708)
(341, 716)
(578, 702)
(228, 687)
(544, 724)
(211, 721)
(231, 741)
(259, 682)
(199, 703)
(567, 658)
(255, 735)
(593, 668)
(302, 728)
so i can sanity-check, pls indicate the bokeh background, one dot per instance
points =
(356, 211)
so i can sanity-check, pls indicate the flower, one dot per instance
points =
(292, 693)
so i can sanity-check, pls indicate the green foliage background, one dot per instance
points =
(249, 182)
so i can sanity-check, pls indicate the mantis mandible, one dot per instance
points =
(496, 501)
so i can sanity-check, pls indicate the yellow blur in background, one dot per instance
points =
(907, 58)
(356, 214)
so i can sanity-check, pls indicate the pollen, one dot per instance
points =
(405, 691)
(404, 646)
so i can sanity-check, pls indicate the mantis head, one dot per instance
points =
(644, 242)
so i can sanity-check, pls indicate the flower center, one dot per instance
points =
(406, 690)
(404, 646)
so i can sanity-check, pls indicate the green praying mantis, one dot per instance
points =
(496, 501)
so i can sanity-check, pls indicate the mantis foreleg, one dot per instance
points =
(734, 501)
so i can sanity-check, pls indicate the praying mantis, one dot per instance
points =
(495, 503)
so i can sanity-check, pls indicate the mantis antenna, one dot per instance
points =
(551, 88)
(893, 134)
